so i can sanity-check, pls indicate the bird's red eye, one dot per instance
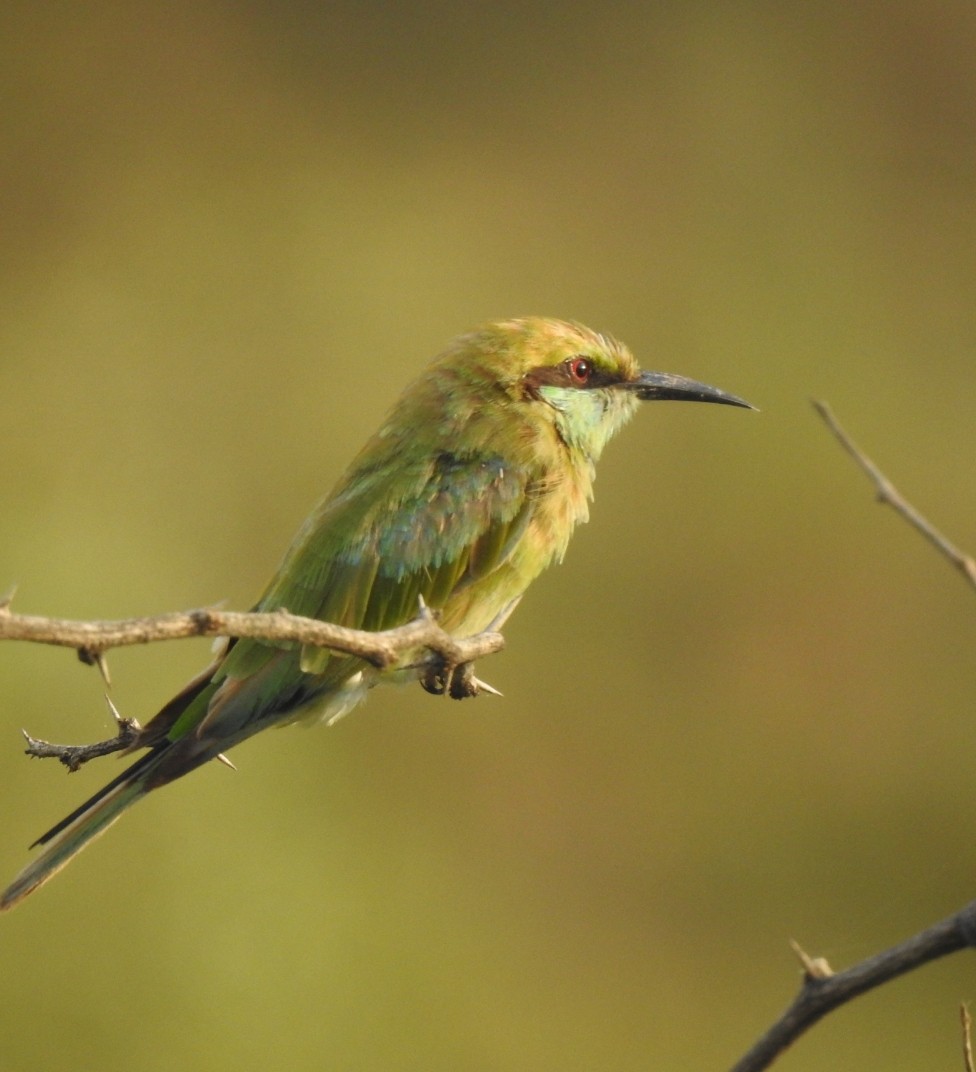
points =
(580, 369)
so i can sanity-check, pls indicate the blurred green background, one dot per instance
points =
(741, 712)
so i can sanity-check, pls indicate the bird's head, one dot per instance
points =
(585, 385)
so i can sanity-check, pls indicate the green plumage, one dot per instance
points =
(471, 487)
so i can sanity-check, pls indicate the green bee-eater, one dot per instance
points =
(471, 487)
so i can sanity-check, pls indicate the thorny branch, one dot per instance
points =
(74, 755)
(823, 989)
(382, 649)
(447, 669)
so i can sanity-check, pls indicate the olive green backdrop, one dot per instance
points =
(742, 710)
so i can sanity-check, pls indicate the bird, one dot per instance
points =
(470, 488)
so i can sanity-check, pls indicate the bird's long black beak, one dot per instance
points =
(658, 386)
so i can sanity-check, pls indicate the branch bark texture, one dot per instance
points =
(382, 649)
(824, 990)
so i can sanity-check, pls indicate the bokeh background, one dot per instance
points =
(741, 712)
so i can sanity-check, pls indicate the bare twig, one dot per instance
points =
(888, 494)
(823, 990)
(74, 755)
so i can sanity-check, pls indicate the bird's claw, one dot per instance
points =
(458, 682)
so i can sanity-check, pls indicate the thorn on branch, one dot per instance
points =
(815, 969)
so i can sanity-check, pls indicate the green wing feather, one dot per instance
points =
(364, 559)
(367, 557)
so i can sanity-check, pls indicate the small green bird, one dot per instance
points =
(471, 487)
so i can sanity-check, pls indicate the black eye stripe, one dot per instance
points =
(581, 372)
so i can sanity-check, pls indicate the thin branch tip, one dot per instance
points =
(887, 494)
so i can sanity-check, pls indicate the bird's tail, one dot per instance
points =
(83, 825)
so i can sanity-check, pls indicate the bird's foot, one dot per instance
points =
(458, 682)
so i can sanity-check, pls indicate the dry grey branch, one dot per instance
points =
(824, 990)
(887, 493)
(74, 756)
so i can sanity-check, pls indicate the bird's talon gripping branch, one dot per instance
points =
(463, 683)
(436, 676)
(458, 682)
